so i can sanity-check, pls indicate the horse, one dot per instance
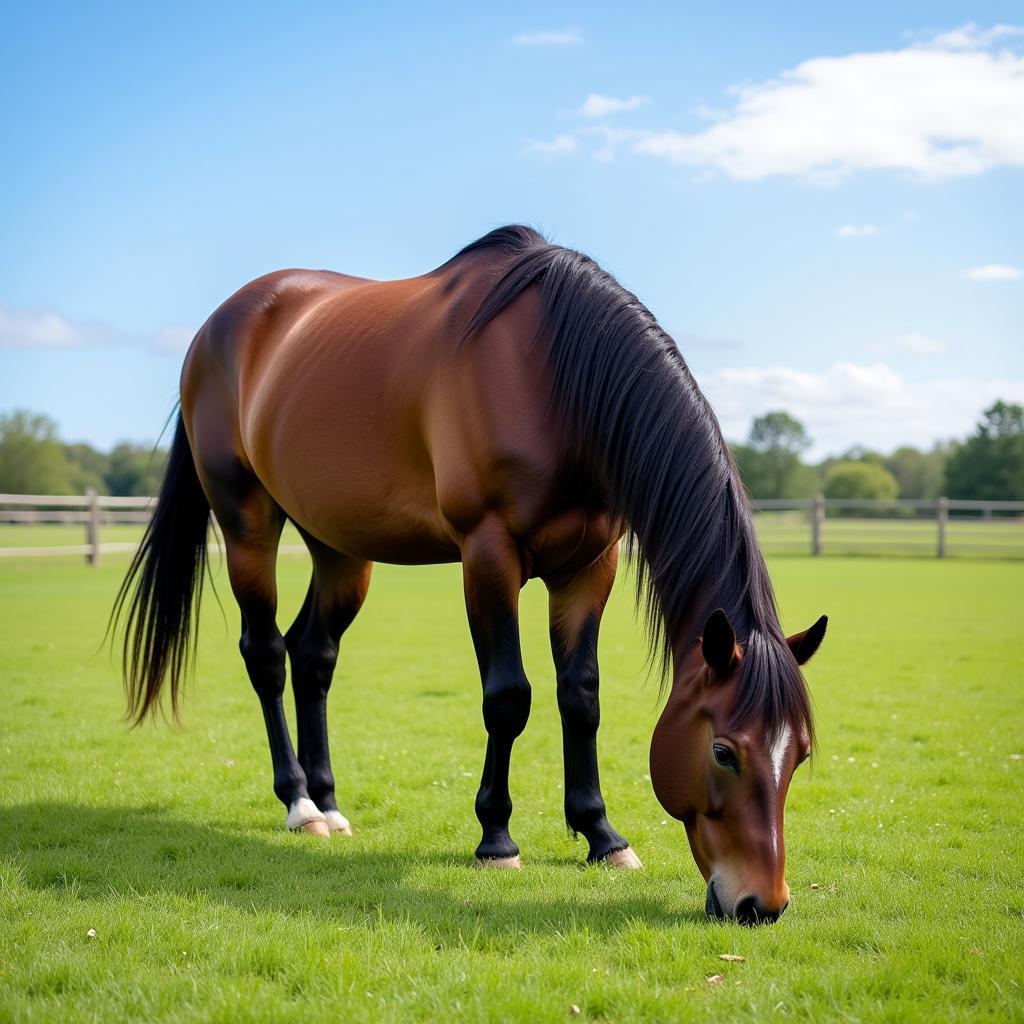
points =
(519, 411)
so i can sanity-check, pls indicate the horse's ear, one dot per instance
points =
(803, 645)
(718, 644)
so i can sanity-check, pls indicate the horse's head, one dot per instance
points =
(725, 776)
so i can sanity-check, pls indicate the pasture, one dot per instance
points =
(905, 839)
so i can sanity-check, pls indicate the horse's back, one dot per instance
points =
(358, 409)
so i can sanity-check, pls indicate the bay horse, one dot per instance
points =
(518, 411)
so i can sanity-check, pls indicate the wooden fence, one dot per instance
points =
(942, 527)
(818, 526)
(92, 512)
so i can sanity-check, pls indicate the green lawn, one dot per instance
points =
(169, 842)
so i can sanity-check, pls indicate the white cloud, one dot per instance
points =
(612, 139)
(946, 107)
(973, 37)
(560, 145)
(851, 403)
(596, 105)
(992, 272)
(561, 37)
(41, 328)
(857, 231)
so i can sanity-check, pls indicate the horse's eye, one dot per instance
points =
(726, 757)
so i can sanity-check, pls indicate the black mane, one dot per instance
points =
(651, 436)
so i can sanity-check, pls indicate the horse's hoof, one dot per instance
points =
(500, 863)
(622, 859)
(305, 816)
(337, 822)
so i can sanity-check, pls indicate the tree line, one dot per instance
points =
(33, 460)
(987, 465)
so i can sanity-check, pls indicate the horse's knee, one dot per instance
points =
(506, 704)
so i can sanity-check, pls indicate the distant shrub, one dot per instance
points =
(860, 480)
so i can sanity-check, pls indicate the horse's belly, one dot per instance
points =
(380, 534)
(367, 508)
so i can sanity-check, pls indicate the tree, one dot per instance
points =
(858, 453)
(860, 480)
(919, 474)
(32, 460)
(770, 462)
(989, 465)
(135, 470)
(89, 468)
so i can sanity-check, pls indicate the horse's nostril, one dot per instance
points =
(746, 910)
(749, 910)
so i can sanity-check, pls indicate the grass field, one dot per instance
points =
(169, 842)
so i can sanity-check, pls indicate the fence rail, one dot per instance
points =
(941, 527)
(92, 511)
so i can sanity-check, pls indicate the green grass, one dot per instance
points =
(169, 842)
(51, 535)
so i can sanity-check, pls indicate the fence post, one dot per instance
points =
(817, 523)
(92, 527)
(942, 515)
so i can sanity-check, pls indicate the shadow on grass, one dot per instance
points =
(128, 853)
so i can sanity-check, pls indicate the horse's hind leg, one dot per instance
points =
(336, 593)
(576, 606)
(251, 523)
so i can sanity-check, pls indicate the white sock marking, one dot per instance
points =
(301, 812)
(337, 821)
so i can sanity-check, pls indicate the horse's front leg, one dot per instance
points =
(576, 606)
(492, 575)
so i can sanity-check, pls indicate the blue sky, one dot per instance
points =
(825, 211)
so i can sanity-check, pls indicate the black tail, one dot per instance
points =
(163, 583)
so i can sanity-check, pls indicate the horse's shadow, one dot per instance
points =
(143, 851)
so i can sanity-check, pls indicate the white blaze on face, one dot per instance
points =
(778, 751)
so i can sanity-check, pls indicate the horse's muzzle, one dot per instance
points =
(748, 911)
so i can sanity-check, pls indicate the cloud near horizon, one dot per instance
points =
(873, 403)
(37, 327)
(41, 328)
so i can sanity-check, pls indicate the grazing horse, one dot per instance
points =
(520, 412)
